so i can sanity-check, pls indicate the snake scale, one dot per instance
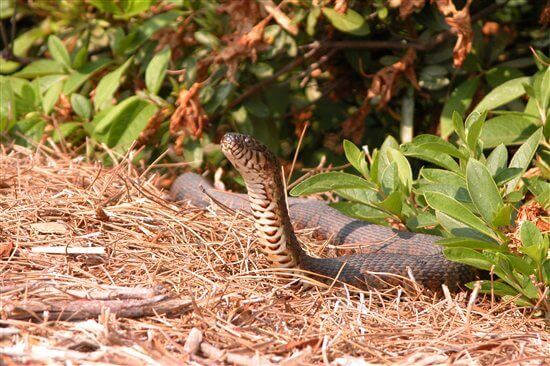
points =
(387, 256)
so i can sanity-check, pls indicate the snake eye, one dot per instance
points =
(247, 140)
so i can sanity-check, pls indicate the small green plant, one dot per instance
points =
(466, 196)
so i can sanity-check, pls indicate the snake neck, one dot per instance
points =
(272, 222)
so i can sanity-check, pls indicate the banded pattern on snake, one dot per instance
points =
(388, 256)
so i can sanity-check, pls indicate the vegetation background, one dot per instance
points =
(167, 78)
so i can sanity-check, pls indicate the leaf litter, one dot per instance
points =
(178, 284)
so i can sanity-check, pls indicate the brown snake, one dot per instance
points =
(386, 259)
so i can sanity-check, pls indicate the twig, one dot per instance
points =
(306, 125)
(69, 250)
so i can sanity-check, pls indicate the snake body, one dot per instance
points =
(388, 257)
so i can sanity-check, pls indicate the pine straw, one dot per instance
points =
(208, 258)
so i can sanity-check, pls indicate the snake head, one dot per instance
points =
(248, 155)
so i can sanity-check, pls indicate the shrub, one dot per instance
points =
(484, 205)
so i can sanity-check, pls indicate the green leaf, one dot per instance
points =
(440, 159)
(156, 70)
(533, 244)
(458, 192)
(497, 288)
(51, 97)
(507, 129)
(460, 242)
(40, 68)
(392, 203)
(497, 160)
(522, 158)
(483, 190)
(457, 211)
(389, 180)
(108, 86)
(437, 145)
(443, 176)
(506, 175)
(540, 189)
(261, 70)
(459, 101)
(311, 21)
(76, 79)
(474, 129)
(58, 51)
(81, 106)
(468, 256)
(404, 171)
(545, 91)
(360, 195)
(351, 22)
(421, 221)
(361, 212)
(503, 94)
(458, 125)
(129, 124)
(356, 157)
(503, 216)
(330, 181)
(498, 75)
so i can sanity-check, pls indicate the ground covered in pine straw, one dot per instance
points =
(97, 267)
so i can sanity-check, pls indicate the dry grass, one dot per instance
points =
(205, 262)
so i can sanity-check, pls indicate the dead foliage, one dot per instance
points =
(189, 118)
(183, 285)
(461, 26)
(458, 20)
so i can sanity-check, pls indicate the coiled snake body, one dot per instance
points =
(387, 255)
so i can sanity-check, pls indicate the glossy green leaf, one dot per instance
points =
(459, 101)
(156, 70)
(532, 242)
(58, 51)
(506, 175)
(497, 160)
(361, 195)
(327, 182)
(392, 203)
(457, 211)
(437, 145)
(351, 22)
(541, 190)
(440, 159)
(458, 124)
(483, 190)
(507, 129)
(404, 171)
(503, 94)
(421, 221)
(475, 124)
(461, 242)
(81, 106)
(362, 212)
(51, 97)
(76, 79)
(503, 216)
(523, 156)
(40, 68)
(356, 157)
(311, 21)
(468, 256)
(108, 86)
(443, 176)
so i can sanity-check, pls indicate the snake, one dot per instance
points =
(387, 257)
